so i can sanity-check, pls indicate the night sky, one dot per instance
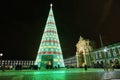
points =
(23, 21)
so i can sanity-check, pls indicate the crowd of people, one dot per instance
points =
(107, 65)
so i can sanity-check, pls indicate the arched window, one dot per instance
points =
(111, 52)
(117, 51)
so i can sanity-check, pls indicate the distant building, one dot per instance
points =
(17, 62)
(111, 53)
(70, 62)
(14, 64)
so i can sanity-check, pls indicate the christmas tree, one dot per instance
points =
(50, 53)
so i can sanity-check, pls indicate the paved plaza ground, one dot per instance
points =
(60, 74)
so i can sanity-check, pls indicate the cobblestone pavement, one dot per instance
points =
(61, 74)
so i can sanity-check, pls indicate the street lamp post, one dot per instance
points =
(105, 50)
(1, 54)
(2, 65)
(106, 61)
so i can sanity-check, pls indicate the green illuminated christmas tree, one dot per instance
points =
(50, 53)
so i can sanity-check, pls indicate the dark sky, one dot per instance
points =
(23, 22)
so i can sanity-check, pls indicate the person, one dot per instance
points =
(85, 67)
(58, 65)
(3, 68)
(106, 66)
(112, 66)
